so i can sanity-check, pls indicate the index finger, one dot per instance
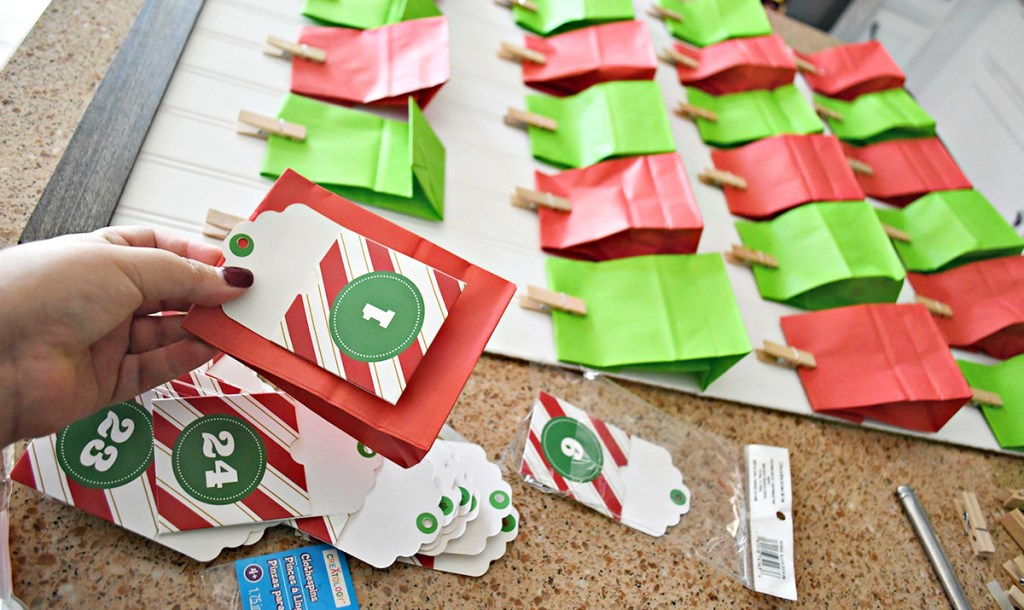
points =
(147, 237)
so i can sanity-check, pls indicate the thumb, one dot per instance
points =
(161, 275)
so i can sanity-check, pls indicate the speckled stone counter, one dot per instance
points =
(854, 548)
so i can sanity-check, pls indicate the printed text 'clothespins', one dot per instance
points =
(279, 47)
(519, 54)
(671, 55)
(540, 299)
(975, 525)
(261, 126)
(785, 355)
(521, 118)
(693, 113)
(665, 14)
(531, 199)
(936, 307)
(722, 178)
(219, 224)
(523, 4)
(742, 255)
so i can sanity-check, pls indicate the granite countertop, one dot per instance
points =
(854, 548)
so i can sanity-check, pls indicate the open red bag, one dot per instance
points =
(404, 431)
(740, 64)
(850, 70)
(885, 362)
(987, 299)
(382, 67)
(623, 207)
(784, 172)
(904, 170)
(578, 59)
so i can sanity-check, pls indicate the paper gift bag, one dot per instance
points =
(752, 115)
(877, 117)
(554, 16)
(616, 119)
(904, 170)
(402, 432)
(367, 14)
(673, 313)
(576, 60)
(742, 64)
(829, 255)
(623, 207)
(362, 156)
(786, 171)
(382, 66)
(987, 303)
(882, 362)
(950, 228)
(1007, 421)
(705, 22)
(851, 70)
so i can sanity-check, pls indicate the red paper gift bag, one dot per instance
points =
(884, 362)
(850, 70)
(904, 170)
(784, 172)
(987, 299)
(623, 207)
(578, 59)
(740, 64)
(403, 432)
(378, 67)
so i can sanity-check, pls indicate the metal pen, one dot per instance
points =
(932, 548)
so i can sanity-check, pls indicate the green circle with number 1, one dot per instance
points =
(572, 449)
(109, 448)
(376, 316)
(219, 459)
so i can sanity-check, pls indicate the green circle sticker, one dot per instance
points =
(219, 459)
(426, 523)
(365, 451)
(241, 245)
(109, 448)
(376, 316)
(508, 523)
(463, 496)
(678, 496)
(446, 505)
(500, 499)
(572, 449)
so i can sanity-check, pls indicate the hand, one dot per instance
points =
(75, 329)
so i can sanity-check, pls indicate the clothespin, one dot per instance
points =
(665, 14)
(936, 307)
(985, 397)
(674, 56)
(742, 255)
(539, 299)
(1016, 597)
(860, 167)
(975, 525)
(260, 126)
(689, 111)
(1014, 500)
(523, 4)
(1013, 521)
(827, 113)
(785, 355)
(896, 234)
(519, 54)
(804, 66)
(722, 178)
(279, 47)
(521, 118)
(219, 224)
(531, 199)
(1015, 568)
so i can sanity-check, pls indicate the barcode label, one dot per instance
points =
(770, 511)
(769, 558)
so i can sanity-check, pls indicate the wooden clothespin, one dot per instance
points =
(827, 113)
(785, 355)
(260, 126)
(1016, 597)
(975, 525)
(936, 307)
(665, 14)
(519, 54)
(1014, 500)
(1013, 521)
(896, 234)
(804, 66)
(279, 47)
(722, 178)
(674, 56)
(219, 224)
(522, 119)
(1015, 568)
(523, 4)
(742, 255)
(531, 199)
(689, 111)
(985, 397)
(860, 167)
(540, 299)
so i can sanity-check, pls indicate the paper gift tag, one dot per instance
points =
(828, 254)
(706, 22)
(951, 228)
(848, 71)
(615, 119)
(353, 307)
(382, 66)
(582, 58)
(1003, 378)
(472, 565)
(554, 16)
(904, 170)
(383, 162)
(876, 117)
(742, 64)
(495, 503)
(752, 115)
(656, 497)
(786, 171)
(622, 207)
(364, 14)
(883, 362)
(688, 322)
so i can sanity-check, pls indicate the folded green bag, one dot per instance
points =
(555, 16)
(665, 312)
(1006, 422)
(363, 157)
(753, 115)
(368, 14)
(830, 255)
(875, 117)
(706, 22)
(615, 119)
(951, 228)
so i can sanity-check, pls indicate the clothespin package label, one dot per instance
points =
(770, 514)
(322, 570)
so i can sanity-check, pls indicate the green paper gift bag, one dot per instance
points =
(555, 16)
(829, 255)
(876, 117)
(753, 115)
(950, 228)
(1004, 378)
(614, 119)
(664, 312)
(363, 157)
(368, 14)
(706, 22)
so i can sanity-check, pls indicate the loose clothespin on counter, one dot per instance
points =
(742, 255)
(1014, 500)
(785, 355)
(1013, 521)
(531, 199)
(665, 14)
(689, 111)
(523, 4)
(540, 299)
(523, 119)
(975, 525)
(219, 224)
(675, 57)
(520, 54)
(285, 49)
(936, 307)
(1015, 568)
(827, 113)
(722, 178)
(860, 167)
(260, 126)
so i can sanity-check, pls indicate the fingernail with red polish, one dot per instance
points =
(237, 277)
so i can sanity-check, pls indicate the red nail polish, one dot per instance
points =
(237, 277)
